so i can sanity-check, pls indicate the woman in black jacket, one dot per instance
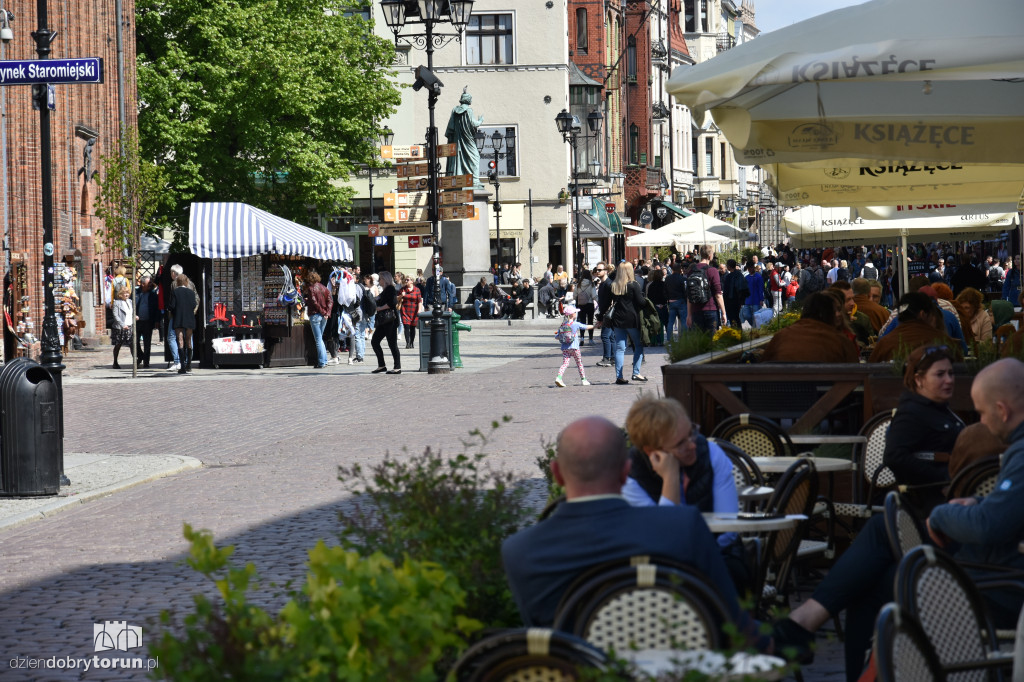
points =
(628, 299)
(184, 320)
(387, 325)
(923, 426)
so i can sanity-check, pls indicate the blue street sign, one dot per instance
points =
(32, 71)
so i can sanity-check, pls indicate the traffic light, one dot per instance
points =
(492, 173)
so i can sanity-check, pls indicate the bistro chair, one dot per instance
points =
(902, 651)
(755, 435)
(745, 472)
(977, 479)
(937, 592)
(530, 655)
(647, 606)
(795, 493)
(871, 476)
(902, 525)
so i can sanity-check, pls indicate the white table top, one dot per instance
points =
(826, 439)
(777, 465)
(728, 523)
(755, 492)
(656, 662)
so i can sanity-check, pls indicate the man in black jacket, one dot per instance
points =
(147, 309)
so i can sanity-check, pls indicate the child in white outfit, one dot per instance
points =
(571, 347)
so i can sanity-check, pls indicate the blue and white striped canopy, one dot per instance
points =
(233, 230)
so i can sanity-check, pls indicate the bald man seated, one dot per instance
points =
(974, 530)
(596, 525)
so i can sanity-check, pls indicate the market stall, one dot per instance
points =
(250, 256)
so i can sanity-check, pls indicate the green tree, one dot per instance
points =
(261, 101)
(130, 189)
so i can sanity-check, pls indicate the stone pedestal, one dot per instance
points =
(466, 244)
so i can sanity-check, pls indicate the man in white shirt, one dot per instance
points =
(833, 274)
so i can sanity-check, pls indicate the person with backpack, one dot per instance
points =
(706, 307)
(568, 335)
(736, 291)
(812, 280)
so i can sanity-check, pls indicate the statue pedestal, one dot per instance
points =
(466, 244)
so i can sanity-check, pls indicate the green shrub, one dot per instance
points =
(691, 342)
(356, 618)
(454, 511)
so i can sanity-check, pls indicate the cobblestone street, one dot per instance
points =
(270, 443)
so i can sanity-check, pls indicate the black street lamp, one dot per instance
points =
(570, 128)
(386, 137)
(497, 142)
(430, 13)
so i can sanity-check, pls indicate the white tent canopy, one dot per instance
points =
(674, 232)
(813, 226)
(234, 230)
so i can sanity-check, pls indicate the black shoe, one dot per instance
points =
(379, 370)
(394, 371)
(793, 641)
(182, 371)
(145, 365)
(639, 377)
(621, 382)
(116, 366)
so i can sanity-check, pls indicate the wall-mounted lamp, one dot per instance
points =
(6, 17)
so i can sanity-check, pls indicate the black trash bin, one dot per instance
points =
(30, 445)
(424, 333)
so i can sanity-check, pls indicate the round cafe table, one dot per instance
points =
(778, 465)
(744, 666)
(729, 523)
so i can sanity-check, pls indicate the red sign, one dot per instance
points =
(414, 241)
(610, 207)
(427, 240)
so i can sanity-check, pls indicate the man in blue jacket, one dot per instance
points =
(596, 525)
(448, 294)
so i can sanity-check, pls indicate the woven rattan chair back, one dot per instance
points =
(867, 457)
(977, 479)
(645, 607)
(756, 436)
(529, 655)
(937, 593)
(902, 525)
(795, 493)
(902, 651)
(745, 471)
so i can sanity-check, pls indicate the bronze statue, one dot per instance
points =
(462, 132)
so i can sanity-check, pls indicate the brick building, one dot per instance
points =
(84, 28)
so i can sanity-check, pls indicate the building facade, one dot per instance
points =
(85, 126)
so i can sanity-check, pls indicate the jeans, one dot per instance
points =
(620, 350)
(172, 344)
(708, 320)
(477, 303)
(676, 309)
(318, 323)
(360, 340)
(607, 342)
(747, 314)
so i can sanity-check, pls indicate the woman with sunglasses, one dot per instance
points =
(924, 429)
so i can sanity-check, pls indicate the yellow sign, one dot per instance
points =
(417, 228)
(405, 199)
(401, 215)
(398, 151)
(456, 181)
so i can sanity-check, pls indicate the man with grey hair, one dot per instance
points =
(147, 311)
(597, 525)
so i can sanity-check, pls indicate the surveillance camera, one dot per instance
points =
(424, 76)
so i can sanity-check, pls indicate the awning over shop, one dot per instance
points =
(591, 227)
(610, 219)
(234, 230)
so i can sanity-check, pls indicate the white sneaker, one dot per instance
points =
(351, 360)
(559, 382)
(584, 382)
(334, 361)
(174, 368)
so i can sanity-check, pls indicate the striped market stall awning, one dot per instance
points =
(234, 230)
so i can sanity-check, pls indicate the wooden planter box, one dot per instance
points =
(714, 386)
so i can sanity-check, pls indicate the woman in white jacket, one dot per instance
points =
(124, 321)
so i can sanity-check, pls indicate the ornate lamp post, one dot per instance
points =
(497, 142)
(570, 128)
(386, 137)
(398, 14)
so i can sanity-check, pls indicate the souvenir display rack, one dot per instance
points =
(235, 329)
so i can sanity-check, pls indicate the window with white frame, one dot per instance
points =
(508, 166)
(489, 39)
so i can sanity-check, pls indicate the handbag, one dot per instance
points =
(386, 316)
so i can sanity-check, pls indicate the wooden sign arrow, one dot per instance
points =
(444, 150)
(456, 181)
(458, 212)
(398, 151)
(405, 230)
(401, 215)
(462, 196)
(414, 184)
(406, 198)
(412, 170)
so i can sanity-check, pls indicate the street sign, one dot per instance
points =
(646, 217)
(414, 184)
(412, 170)
(405, 230)
(398, 151)
(373, 229)
(414, 241)
(610, 207)
(401, 215)
(406, 198)
(458, 212)
(462, 196)
(444, 150)
(427, 240)
(456, 181)
(51, 71)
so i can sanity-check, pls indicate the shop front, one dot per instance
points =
(249, 257)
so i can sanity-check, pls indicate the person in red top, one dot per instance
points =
(412, 303)
(320, 303)
(777, 287)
